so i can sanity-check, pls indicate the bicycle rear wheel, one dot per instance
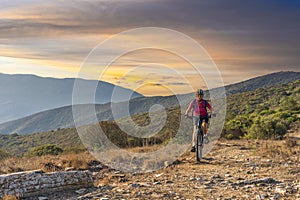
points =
(199, 145)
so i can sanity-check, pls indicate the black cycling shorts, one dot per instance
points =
(196, 120)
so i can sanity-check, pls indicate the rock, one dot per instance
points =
(96, 168)
(118, 175)
(280, 190)
(168, 181)
(144, 185)
(135, 185)
(217, 176)
(94, 163)
(158, 175)
(290, 189)
(246, 163)
(254, 165)
(208, 187)
(167, 164)
(43, 198)
(256, 181)
(276, 196)
(81, 191)
(67, 169)
(172, 193)
(31, 181)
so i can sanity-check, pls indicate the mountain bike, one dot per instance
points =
(199, 142)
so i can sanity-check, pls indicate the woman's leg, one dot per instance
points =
(194, 135)
(204, 125)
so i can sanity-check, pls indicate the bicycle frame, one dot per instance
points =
(199, 142)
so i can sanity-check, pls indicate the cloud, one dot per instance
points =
(176, 83)
(252, 36)
(90, 16)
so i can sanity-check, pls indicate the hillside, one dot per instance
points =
(264, 81)
(23, 95)
(263, 113)
(245, 111)
(62, 117)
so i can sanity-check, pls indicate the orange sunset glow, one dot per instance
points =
(53, 38)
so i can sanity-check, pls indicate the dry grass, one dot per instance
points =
(11, 197)
(145, 149)
(47, 163)
(287, 149)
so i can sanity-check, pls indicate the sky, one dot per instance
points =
(244, 39)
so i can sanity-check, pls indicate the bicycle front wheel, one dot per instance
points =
(199, 145)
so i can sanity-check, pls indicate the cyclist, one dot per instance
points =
(199, 106)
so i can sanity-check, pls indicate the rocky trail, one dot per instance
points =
(232, 170)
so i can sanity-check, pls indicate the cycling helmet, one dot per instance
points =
(200, 92)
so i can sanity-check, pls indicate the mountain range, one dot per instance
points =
(24, 95)
(62, 117)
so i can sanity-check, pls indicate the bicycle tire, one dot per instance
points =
(199, 145)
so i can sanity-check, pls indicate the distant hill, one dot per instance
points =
(264, 81)
(62, 117)
(23, 95)
(242, 110)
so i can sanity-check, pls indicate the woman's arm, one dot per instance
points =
(189, 109)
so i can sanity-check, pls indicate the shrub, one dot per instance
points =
(48, 149)
(236, 128)
(289, 103)
(266, 127)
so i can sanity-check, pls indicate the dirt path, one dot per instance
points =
(232, 170)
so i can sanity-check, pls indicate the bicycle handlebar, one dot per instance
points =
(209, 116)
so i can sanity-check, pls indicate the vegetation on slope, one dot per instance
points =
(263, 113)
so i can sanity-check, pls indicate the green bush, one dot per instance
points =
(237, 127)
(289, 103)
(266, 127)
(47, 149)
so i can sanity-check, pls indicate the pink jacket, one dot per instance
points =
(199, 108)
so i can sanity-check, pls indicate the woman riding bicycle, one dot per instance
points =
(199, 106)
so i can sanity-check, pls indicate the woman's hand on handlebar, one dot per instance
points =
(212, 115)
(186, 116)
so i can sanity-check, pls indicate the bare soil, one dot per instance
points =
(238, 169)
